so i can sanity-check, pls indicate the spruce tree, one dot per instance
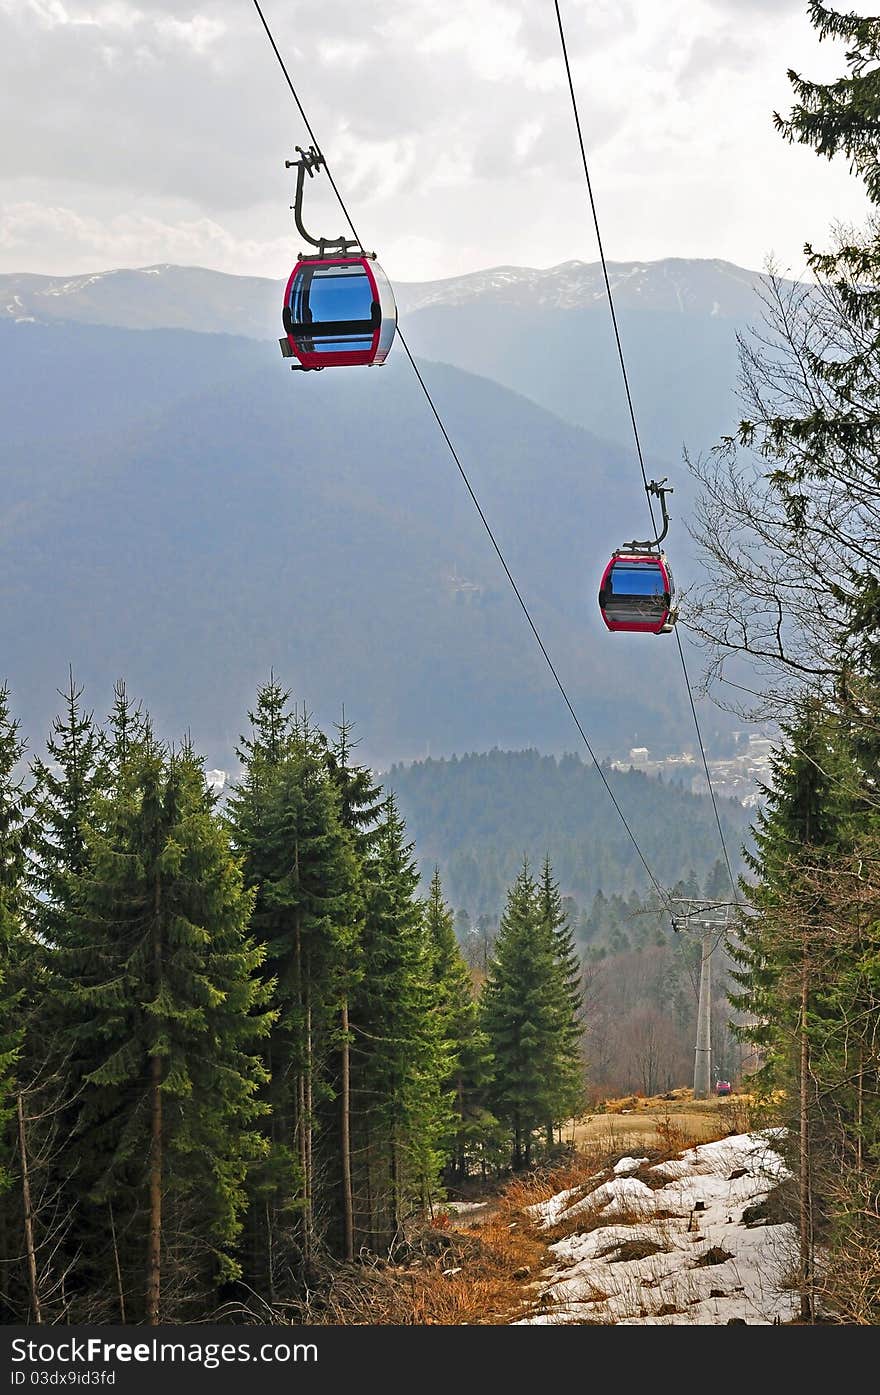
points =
(466, 1044)
(12, 935)
(807, 816)
(65, 785)
(567, 1070)
(842, 116)
(360, 806)
(785, 968)
(520, 1016)
(401, 1059)
(164, 1010)
(20, 1296)
(298, 859)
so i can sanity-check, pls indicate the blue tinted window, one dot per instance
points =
(636, 580)
(333, 295)
(340, 293)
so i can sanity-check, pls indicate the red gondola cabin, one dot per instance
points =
(338, 310)
(636, 594)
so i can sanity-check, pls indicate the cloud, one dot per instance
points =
(30, 231)
(187, 103)
(767, 7)
(169, 121)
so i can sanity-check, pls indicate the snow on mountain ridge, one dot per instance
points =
(711, 287)
(80, 283)
(677, 285)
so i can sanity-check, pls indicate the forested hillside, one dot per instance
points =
(478, 815)
(236, 1045)
(178, 506)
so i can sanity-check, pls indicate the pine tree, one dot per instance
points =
(467, 1047)
(65, 786)
(163, 1012)
(401, 1060)
(361, 799)
(360, 806)
(12, 934)
(783, 962)
(520, 1017)
(567, 1069)
(718, 886)
(17, 979)
(807, 813)
(59, 800)
(299, 861)
(249, 803)
(818, 423)
(843, 116)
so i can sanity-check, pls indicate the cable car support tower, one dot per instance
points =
(711, 923)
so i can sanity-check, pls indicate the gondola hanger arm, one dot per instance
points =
(308, 163)
(659, 488)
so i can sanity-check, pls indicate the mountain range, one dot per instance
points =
(545, 333)
(182, 512)
(177, 297)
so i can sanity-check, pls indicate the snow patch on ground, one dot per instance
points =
(625, 1166)
(687, 1257)
(548, 1212)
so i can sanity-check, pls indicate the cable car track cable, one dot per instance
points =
(632, 417)
(594, 211)
(664, 897)
(690, 694)
(527, 613)
(306, 121)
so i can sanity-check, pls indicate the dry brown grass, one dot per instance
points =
(637, 1121)
(470, 1281)
(460, 1270)
(670, 1136)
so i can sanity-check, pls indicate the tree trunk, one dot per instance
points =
(119, 1288)
(395, 1182)
(860, 1098)
(270, 1207)
(307, 1102)
(345, 1141)
(303, 1084)
(270, 1255)
(28, 1214)
(460, 1150)
(154, 1246)
(154, 1243)
(371, 1208)
(805, 1207)
(302, 1145)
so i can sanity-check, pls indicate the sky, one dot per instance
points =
(146, 131)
